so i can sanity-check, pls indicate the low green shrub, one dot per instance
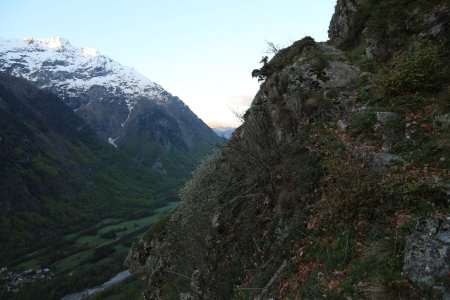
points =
(283, 58)
(363, 123)
(442, 121)
(421, 71)
(157, 229)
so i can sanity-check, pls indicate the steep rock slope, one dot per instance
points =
(56, 174)
(125, 108)
(316, 195)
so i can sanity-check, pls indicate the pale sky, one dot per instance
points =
(202, 51)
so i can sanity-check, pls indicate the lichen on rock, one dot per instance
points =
(427, 255)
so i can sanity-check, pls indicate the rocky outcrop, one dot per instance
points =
(146, 260)
(307, 88)
(311, 196)
(301, 92)
(340, 22)
(438, 24)
(427, 255)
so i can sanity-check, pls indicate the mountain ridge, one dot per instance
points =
(79, 67)
(336, 185)
(130, 111)
(224, 131)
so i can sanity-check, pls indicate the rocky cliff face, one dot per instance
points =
(340, 22)
(121, 105)
(316, 194)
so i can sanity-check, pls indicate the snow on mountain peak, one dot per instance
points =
(56, 64)
(53, 43)
(90, 51)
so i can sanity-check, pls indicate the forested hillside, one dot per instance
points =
(57, 175)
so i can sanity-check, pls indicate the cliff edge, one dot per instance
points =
(337, 183)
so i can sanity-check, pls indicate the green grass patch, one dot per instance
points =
(130, 289)
(73, 261)
(29, 264)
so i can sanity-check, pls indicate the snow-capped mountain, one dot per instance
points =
(224, 131)
(76, 69)
(121, 105)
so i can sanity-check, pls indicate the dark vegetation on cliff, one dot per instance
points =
(344, 148)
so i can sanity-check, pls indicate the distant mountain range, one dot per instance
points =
(84, 138)
(130, 111)
(224, 132)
